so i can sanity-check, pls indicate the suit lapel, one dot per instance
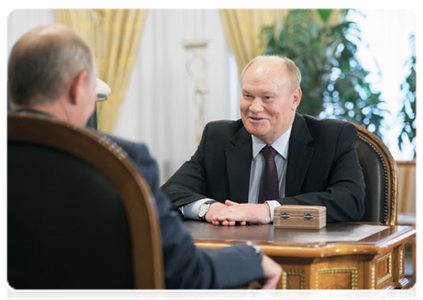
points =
(299, 156)
(238, 162)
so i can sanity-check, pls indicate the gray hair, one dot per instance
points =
(41, 67)
(292, 68)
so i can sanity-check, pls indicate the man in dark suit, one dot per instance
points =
(313, 162)
(52, 71)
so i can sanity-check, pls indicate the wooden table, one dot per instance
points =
(340, 256)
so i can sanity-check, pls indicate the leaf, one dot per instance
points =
(324, 14)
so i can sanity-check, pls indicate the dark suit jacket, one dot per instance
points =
(323, 167)
(186, 266)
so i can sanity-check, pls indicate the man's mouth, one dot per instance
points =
(256, 119)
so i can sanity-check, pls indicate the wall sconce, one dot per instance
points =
(197, 69)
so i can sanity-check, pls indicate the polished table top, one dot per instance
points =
(334, 239)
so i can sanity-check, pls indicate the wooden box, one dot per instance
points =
(300, 216)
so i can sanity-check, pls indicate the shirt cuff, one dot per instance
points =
(190, 211)
(272, 204)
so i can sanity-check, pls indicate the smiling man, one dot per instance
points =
(273, 156)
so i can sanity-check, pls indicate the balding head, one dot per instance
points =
(43, 62)
(275, 64)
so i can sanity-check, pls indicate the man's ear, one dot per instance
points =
(77, 87)
(296, 97)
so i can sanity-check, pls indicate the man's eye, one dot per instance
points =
(248, 96)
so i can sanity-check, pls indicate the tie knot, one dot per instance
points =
(268, 152)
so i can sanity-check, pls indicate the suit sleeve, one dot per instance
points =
(344, 196)
(186, 266)
(188, 183)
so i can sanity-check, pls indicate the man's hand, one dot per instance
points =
(215, 209)
(272, 272)
(230, 213)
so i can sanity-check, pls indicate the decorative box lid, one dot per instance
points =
(301, 208)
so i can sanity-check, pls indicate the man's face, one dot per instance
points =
(268, 102)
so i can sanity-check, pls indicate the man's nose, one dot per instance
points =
(256, 105)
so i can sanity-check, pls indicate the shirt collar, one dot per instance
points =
(34, 111)
(280, 145)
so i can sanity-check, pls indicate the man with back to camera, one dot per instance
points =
(51, 71)
(273, 156)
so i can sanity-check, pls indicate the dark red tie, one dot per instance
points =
(269, 185)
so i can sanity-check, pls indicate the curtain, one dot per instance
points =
(114, 36)
(243, 26)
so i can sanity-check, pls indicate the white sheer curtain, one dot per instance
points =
(385, 34)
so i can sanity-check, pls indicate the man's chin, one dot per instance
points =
(257, 132)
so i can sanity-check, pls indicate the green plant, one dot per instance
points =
(333, 81)
(408, 110)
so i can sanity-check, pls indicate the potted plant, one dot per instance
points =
(333, 81)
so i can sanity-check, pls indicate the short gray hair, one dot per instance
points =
(41, 67)
(293, 70)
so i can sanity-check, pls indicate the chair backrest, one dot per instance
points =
(80, 215)
(380, 177)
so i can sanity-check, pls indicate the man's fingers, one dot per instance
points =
(229, 218)
(224, 223)
(272, 272)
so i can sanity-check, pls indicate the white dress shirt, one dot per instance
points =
(281, 146)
